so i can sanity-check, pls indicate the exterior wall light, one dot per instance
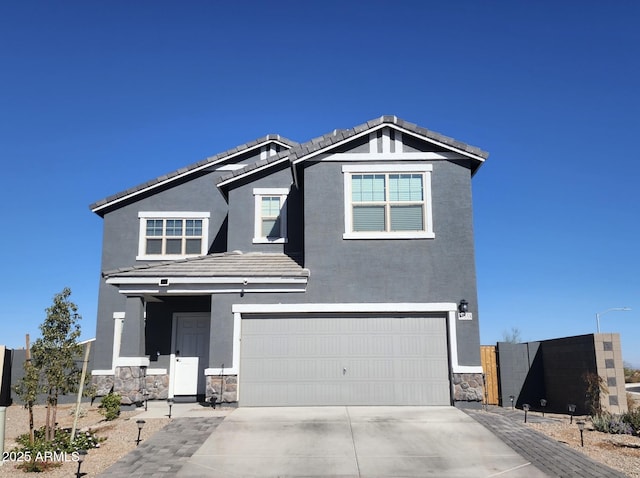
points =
(463, 308)
(140, 424)
(526, 407)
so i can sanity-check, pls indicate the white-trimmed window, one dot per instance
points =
(172, 235)
(270, 215)
(388, 201)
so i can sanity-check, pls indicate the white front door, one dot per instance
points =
(191, 349)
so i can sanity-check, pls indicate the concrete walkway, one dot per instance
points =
(440, 442)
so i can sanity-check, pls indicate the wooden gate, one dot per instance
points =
(490, 367)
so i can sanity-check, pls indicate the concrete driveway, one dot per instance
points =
(354, 442)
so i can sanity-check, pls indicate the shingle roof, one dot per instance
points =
(227, 264)
(338, 135)
(192, 168)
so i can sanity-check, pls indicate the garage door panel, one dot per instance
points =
(344, 361)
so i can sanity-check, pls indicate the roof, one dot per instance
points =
(337, 136)
(227, 264)
(296, 153)
(191, 169)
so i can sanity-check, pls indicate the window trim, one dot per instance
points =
(142, 236)
(425, 169)
(258, 194)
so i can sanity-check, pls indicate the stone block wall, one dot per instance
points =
(468, 387)
(131, 384)
(225, 388)
(103, 384)
(611, 368)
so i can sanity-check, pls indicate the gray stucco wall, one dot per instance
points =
(242, 213)
(520, 373)
(121, 238)
(401, 270)
(555, 370)
(420, 270)
(16, 372)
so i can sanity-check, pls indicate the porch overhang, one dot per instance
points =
(232, 272)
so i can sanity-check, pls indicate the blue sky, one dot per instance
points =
(100, 96)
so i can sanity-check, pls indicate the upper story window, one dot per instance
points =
(388, 201)
(270, 215)
(172, 235)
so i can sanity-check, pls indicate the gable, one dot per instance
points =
(230, 160)
(387, 135)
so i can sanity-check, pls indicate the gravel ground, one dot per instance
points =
(120, 437)
(621, 452)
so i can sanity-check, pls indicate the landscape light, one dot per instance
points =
(140, 424)
(580, 424)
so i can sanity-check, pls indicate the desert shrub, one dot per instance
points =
(631, 375)
(44, 455)
(37, 466)
(611, 423)
(60, 443)
(110, 406)
(632, 418)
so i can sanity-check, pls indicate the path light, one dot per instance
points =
(580, 424)
(170, 402)
(511, 397)
(572, 409)
(526, 407)
(145, 394)
(140, 424)
(81, 455)
(543, 403)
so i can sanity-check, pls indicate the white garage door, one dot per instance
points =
(307, 361)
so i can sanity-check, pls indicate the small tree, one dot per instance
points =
(513, 337)
(55, 352)
(28, 388)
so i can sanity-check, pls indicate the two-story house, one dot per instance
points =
(339, 271)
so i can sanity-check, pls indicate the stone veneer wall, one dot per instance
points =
(468, 387)
(103, 384)
(227, 383)
(131, 383)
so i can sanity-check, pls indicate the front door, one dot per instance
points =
(191, 349)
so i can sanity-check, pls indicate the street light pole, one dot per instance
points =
(609, 310)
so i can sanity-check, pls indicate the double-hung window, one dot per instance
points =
(270, 215)
(388, 201)
(172, 235)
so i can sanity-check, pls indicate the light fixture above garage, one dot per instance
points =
(463, 308)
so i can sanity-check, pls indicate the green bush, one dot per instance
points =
(40, 452)
(110, 406)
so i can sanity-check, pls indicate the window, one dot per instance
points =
(270, 215)
(172, 235)
(384, 201)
